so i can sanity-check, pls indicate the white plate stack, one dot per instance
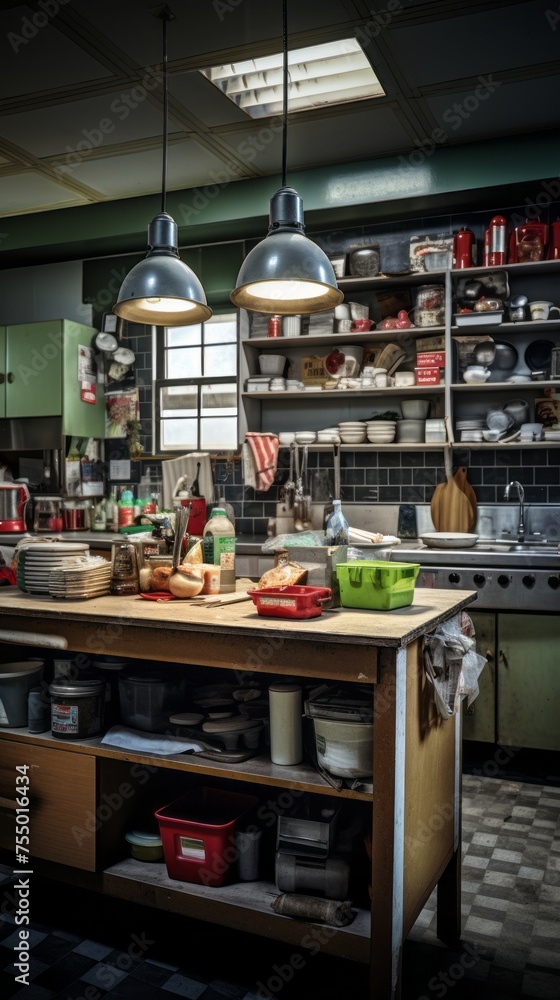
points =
(38, 560)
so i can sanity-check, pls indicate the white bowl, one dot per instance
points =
(305, 437)
(272, 364)
(476, 377)
(286, 437)
(353, 438)
(415, 409)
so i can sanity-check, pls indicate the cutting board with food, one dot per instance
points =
(450, 507)
(460, 478)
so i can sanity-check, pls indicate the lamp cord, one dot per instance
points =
(285, 90)
(165, 18)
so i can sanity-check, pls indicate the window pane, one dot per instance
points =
(183, 363)
(221, 329)
(179, 433)
(179, 401)
(183, 336)
(220, 360)
(219, 399)
(218, 433)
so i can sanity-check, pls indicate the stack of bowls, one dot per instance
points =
(277, 385)
(381, 431)
(352, 431)
(329, 435)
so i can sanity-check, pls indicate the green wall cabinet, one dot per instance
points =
(39, 376)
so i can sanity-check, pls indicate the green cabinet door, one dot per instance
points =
(529, 681)
(34, 369)
(479, 721)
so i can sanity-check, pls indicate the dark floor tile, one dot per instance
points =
(52, 949)
(151, 975)
(132, 989)
(65, 972)
(8, 985)
(76, 991)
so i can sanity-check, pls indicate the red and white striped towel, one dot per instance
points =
(264, 450)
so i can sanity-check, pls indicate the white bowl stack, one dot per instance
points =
(352, 431)
(381, 431)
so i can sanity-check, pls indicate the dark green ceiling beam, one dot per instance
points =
(370, 191)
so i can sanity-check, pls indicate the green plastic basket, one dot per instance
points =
(376, 585)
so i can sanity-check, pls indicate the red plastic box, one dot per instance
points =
(430, 359)
(427, 376)
(197, 833)
(290, 602)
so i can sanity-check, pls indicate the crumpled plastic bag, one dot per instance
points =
(307, 538)
(452, 664)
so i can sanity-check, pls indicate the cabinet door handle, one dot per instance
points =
(2, 378)
(502, 658)
(489, 655)
(10, 376)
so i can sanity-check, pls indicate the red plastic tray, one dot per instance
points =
(290, 602)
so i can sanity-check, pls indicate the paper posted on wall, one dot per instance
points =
(452, 664)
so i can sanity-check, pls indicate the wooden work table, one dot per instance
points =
(416, 760)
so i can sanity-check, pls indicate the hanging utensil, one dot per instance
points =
(195, 488)
(181, 522)
(306, 497)
(329, 507)
(298, 495)
(290, 486)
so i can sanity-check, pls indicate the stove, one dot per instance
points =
(528, 580)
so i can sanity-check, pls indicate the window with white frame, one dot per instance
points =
(196, 386)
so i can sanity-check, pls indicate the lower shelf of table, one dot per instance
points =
(244, 906)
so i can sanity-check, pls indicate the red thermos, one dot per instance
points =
(463, 247)
(495, 239)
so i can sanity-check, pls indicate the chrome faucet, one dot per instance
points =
(521, 495)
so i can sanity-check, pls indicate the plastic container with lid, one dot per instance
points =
(149, 697)
(77, 708)
(343, 731)
(219, 535)
(144, 846)
(377, 585)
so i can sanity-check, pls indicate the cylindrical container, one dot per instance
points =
(126, 509)
(47, 514)
(463, 244)
(430, 306)
(38, 711)
(222, 532)
(497, 239)
(16, 680)
(274, 326)
(77, 709)
(75, 515)
(248, 847)
(124, 568)
(286, 707)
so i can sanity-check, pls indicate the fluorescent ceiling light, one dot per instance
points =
(319, 75)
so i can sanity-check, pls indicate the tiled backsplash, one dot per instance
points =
(403, 477)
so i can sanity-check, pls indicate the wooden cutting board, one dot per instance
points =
(450, 508)
(464, 485)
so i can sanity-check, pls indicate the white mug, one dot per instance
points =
(542, 310)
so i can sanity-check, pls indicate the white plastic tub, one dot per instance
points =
(344, 748)
(16, 681)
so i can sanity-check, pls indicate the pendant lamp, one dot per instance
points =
(161, 290)
(286, 273)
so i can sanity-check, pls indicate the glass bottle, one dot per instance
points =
(337, 526)
(124, 568)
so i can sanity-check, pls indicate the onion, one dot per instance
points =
(186, 582)
(160, 578)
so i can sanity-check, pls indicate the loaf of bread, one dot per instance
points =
(283, 575)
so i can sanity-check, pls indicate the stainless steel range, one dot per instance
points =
(505, 577)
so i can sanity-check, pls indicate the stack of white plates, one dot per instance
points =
(37, 561)
(352, 431)
(381, 431)
(471, 430)
(277, 384)
(79, 579)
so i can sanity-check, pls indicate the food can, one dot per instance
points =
(77, 709)
(275, 326)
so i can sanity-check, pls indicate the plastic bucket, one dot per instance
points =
(375, 584)
(16, 681)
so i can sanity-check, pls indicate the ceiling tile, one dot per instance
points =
(203, 99)
(33, 192)
(42, 58)
(490, 41)
(82, 125)
(134, 174)
(511, 108)
(337, 139)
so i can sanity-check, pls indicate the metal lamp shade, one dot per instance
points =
(286, 273)
(161, 290)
